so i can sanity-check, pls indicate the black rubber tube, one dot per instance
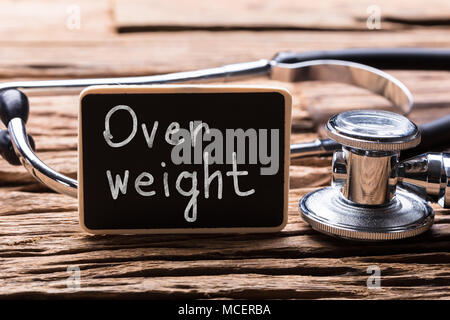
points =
(390, 58)
(435, 135)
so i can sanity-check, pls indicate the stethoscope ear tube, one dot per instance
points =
(356, 74)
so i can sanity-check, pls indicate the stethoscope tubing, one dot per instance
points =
(320, 65)
(283, 67)
(381, 58)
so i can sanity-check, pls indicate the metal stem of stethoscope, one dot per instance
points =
(225, 72)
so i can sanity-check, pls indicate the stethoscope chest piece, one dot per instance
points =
(364, 202)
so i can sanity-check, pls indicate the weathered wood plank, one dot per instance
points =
(249, 278)
(161, 52)
(55, 20)
(37, 246)
(145, 15)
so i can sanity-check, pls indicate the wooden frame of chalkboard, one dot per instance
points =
(261, 107)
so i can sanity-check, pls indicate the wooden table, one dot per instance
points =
(41, 243)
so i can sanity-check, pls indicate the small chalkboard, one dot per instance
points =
(183, 159)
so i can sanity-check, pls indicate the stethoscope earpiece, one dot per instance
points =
(13, 104)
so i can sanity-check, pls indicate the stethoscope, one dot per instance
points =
(375, 194)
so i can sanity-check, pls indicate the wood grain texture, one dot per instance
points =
(145, 15)
(39, 232)
(295, 263)
(26, 21)
(162, 52)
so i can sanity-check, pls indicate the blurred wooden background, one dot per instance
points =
(39, 233)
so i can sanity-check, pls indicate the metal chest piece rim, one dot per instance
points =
(328, 212)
